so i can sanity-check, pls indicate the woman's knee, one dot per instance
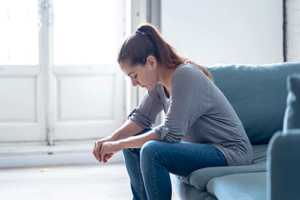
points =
(150, 155)
(150, 149)
(147, 147)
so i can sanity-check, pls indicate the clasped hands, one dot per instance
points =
(105, 149)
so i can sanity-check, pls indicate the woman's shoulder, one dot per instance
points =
(189, 69)
(188, 72)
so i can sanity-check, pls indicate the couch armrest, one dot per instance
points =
(283, 164)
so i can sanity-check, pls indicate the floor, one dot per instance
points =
(76, 182)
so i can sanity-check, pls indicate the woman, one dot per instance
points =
(201, 129)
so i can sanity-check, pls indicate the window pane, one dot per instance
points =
(84, 32)
(19, 32)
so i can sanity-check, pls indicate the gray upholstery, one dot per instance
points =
(259, 153)
(201, 177)
(292, 113)
(247, 186)
(187, 192)
(284, 163)
(258, 95)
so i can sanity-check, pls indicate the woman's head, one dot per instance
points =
(145, 76)
(145, 51)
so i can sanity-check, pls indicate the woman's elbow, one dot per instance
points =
(172, 138)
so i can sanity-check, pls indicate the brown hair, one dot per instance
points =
(147, 41)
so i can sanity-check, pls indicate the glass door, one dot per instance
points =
(59, 79)
(87, 93)
(22, 78)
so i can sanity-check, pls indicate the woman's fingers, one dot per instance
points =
(107, 150)
(94, 150)
(105, 159)
(109, 155)
(97, 151)
(102, 153)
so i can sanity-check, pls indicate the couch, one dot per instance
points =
(259, 95)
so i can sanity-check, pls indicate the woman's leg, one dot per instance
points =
(159, 158)
(132, 163)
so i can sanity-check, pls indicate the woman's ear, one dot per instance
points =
(152, 63)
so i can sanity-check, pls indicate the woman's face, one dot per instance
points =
(144, 76)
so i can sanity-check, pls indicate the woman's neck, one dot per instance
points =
(165, 77)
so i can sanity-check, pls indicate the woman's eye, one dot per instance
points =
(135, 76)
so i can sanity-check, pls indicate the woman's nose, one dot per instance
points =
(134, 82)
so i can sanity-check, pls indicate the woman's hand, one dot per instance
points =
(108, 149)
(97, 149)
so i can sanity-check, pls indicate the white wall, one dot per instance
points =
(293, 30)
(231, 31)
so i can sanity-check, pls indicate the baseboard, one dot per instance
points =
(62, 153)
(53, 159)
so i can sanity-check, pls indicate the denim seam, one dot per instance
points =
(153, 172)
(223, 158)
(191, 154)
(140, 175)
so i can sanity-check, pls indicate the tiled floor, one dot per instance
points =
(76, 182)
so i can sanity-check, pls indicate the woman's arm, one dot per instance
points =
(131, 142)
(139, 119)
(138, 141)
(128, 129)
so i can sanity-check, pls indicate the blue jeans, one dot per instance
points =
(149, 167)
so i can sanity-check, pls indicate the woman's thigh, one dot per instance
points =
(182, 158)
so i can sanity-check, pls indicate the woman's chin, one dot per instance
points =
(149, 87)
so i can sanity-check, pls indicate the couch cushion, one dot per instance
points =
(188, 192)
(292, 113)
(199, 178)
(258, 95)
(283, 163)
(250, 186)
(259, 153)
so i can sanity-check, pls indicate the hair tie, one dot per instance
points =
(140, 32)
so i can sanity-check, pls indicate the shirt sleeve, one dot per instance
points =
(145, 114)
(190, 99)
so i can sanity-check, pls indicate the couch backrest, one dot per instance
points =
(257, 93)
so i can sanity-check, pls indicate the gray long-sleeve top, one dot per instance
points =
(198, 112)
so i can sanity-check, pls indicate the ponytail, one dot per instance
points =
(147, 41)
